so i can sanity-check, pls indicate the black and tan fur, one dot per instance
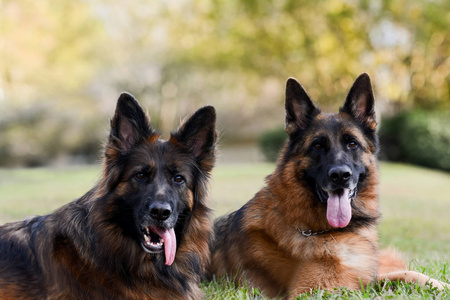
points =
(93, 247)
(282, 241)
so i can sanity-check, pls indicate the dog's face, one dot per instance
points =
(335, 150)
(156, 181)
(160, 190)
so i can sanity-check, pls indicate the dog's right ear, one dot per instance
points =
(300, 110)
(129, 125)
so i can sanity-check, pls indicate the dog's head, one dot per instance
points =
(335, 151)
(156, 185)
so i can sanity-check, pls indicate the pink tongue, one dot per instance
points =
(170, 243)
(339, 210)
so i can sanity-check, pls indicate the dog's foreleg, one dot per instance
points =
(413, 277)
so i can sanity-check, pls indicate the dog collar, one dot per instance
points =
(307, 233)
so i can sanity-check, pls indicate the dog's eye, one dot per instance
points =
(352, 145)
(178, 179)
(317, 146)
(140, 176)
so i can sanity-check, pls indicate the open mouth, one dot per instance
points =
(153, 243)
(324, 195)
(339, 209)
(158, 240)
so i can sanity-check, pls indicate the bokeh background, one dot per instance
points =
(63, 64)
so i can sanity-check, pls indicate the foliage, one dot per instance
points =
(271, 142)
(403, 44)
(236, 55)
(49, 50)
(417, 137)
(37, 136)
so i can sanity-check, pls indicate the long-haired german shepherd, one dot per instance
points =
(314, 223)
(141, 233)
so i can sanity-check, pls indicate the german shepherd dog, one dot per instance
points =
(141, 233)
(313, 225)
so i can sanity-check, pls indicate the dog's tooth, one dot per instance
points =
(146, 238)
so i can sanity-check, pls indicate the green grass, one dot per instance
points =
(25, 192)
(415, 203)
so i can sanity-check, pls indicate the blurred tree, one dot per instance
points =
(77, 55)
(50, 52)
(426, 57)
(403, 44)
(48, 49)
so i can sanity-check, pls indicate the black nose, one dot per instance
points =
(340, 174)
(160, 211)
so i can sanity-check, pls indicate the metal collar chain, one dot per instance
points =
(307, 233)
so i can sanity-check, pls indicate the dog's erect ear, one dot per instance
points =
(130, 124)
(198, 135)
(360, 102)
(300, 110)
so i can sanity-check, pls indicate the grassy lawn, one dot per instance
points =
(415, 203)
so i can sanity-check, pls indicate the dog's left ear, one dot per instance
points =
(360, 103)
(198, 135)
